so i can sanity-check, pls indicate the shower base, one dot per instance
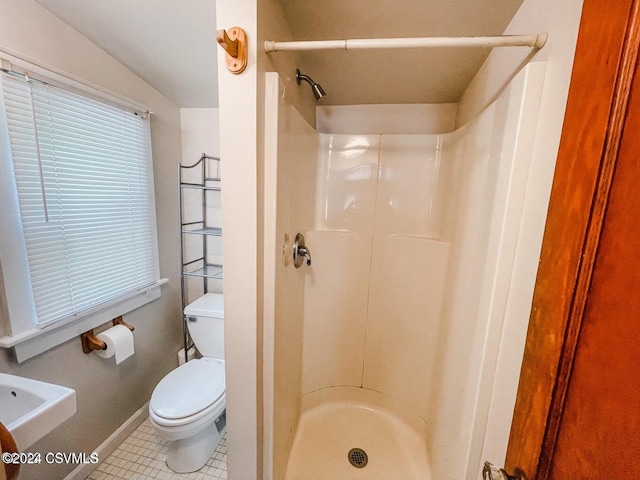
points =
(389, 443)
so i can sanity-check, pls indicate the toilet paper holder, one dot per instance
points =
(90, 342)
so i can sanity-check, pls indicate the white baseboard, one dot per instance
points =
(114, 440)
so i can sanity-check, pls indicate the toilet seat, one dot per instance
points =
(190, 392)
(184, 427)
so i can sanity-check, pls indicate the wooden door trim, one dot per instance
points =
(604, 67)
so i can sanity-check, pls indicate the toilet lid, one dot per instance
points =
(189, 389)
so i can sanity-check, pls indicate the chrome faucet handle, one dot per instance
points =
(300, 251)
(304, 252)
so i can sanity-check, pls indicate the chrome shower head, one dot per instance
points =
(317, 90)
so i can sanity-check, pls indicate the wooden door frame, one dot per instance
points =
(603, 71)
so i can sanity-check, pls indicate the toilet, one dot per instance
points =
(187, 407)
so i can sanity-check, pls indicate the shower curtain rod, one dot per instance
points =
(536, 41)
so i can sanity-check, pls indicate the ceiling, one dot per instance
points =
(171, 44)
(400, 75)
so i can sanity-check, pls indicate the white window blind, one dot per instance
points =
(84, 181)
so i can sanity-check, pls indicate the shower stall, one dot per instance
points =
(380, 357)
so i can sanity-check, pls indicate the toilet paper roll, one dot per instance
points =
(119, 341)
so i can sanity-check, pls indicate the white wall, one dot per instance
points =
(560, 20)
(399, 118)
(241, 143)
(289, 194)
(374, 293)
(200, 134)
(492, 155)
(413, 245)
(242, 114)
(242, 150)
(106, 394)
(408, 269)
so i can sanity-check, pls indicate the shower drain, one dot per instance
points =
(358, 457)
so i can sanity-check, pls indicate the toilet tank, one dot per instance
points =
(205, 320)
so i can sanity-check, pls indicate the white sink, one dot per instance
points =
(30, 409)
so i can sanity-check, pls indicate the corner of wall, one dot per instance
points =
(273, 26)
(242, 111)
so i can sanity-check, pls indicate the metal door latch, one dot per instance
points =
(491, 472)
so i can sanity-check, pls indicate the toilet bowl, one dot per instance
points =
(187, 407)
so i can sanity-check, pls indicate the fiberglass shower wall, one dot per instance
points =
(412, 253)
(413, 239)
(389, 209)
(373, 298)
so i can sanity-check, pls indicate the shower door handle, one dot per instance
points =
(300, 251)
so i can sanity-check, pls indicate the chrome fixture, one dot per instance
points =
(300, 250)
(317, 90)
(490, 472)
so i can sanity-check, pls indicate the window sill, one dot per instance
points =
(38, 340)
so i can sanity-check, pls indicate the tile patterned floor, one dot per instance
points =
(142, 457)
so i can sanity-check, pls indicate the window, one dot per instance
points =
(83, 193)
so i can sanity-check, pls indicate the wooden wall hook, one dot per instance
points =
(234, 42)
